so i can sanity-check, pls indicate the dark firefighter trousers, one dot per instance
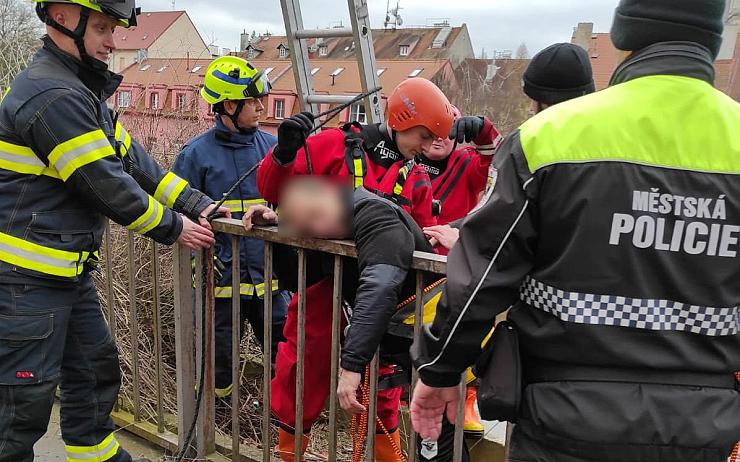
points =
(251, 310)
(51, 337)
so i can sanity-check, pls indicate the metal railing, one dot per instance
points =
(194, 346)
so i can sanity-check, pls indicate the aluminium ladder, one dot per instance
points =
(364, 52)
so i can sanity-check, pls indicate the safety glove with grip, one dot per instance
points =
(292, 133)
(466, 129)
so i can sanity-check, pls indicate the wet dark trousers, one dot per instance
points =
(53, 337)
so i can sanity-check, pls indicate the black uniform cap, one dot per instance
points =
(640, 23)
(558, 73)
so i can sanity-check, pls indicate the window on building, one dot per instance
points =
(251, 53)
(182, 102)
(416, 72)
(279, 109)
(124, 98)
(337, 71)
(380, 71)
(358, 114)
(323, 50)
(315, 70)
(403, 50)
(121, 63)
(196, 68)
(283, 52)
(161, 69)
(145, 67)
(154, 101)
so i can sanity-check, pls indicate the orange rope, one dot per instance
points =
(736, 450)
(358, 427)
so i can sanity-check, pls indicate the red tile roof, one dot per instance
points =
(387, 44)
(150, 26)
(179, 71)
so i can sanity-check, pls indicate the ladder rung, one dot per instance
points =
(329, 99)
(324, 33)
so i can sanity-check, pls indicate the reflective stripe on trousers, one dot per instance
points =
(100, 452)
(245, 289)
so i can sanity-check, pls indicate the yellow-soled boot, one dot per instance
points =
(286, 445)
(388, 447)
(472, 426)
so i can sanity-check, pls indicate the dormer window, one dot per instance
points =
(283, 51)
(403, 50)
(251, 53)
(323, 50)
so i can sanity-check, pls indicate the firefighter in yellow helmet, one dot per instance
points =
(66, 164)
(212, 162)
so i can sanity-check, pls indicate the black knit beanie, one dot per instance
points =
(558, 73)
(640, 23)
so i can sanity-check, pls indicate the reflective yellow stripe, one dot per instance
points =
(21, 159)
(359, 174)
(149, 219)
(36, 257)
(123, 137)
(169, 189)
(241, 205)
(105, 450)
(245, 289)
(403, 174)
(80, 151)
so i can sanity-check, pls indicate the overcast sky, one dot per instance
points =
(493, 24)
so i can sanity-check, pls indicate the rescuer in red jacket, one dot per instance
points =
(380, 158)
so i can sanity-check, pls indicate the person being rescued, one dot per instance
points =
(374, 283)
(459, 176)
(379, 158)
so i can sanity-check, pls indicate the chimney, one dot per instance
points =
(582, 35)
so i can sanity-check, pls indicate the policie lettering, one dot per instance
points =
(693, 237)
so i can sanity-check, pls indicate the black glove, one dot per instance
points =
(466, 129)
(292, 133)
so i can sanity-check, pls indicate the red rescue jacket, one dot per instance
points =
(327, 151)
(459, 180)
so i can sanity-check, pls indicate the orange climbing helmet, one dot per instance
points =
(418, 102)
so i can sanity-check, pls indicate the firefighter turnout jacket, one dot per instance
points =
(381, 168)
(65, 164)
(212, 162)
(613, 231)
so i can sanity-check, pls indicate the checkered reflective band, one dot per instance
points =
(611, 310)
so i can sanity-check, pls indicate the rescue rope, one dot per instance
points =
(359, 424)
(736, 449)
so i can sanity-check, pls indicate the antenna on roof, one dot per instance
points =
(392, 16)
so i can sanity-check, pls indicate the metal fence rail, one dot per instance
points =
(194, 342)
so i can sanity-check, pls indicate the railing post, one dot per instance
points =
(418, 322)
(267, 355)
(111, 292)
(336, 335)
(459, 422)
(235, 343)
(134, 323)
(372, 409)
(300, 355)
(206, 429)
(157, 336)
(184, 346)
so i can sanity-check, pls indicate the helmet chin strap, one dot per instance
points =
(235, 116)
(78, 35)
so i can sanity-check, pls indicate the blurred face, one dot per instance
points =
(311, 208)
(414, 141)
(440, 149)
(251, 112)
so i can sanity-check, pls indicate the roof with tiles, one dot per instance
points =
(346, 79)
(388, 43)
(150, 26)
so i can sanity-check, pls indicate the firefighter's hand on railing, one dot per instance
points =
(444, 235)
(349, 383)
(259, 215)
(427, 407)
(195, 236)
(221, 212)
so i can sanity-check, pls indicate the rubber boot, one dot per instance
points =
(472, 426)
(385, 451)
(286, 445)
